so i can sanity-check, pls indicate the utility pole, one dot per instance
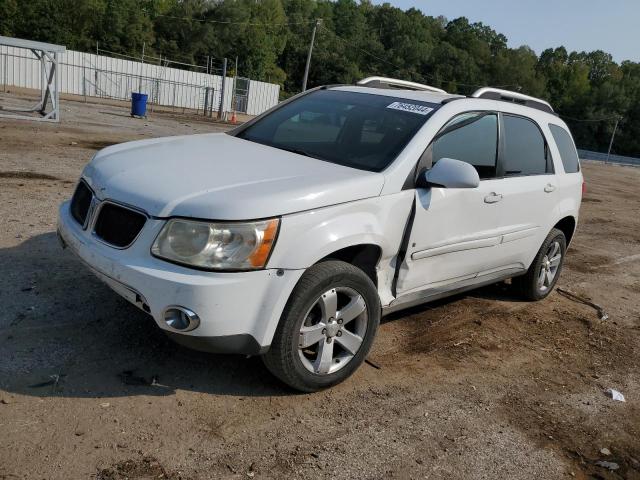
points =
(306, 68)
(615, 129)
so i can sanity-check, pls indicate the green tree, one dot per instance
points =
(356, 39)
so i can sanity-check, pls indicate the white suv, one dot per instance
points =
(291, 235)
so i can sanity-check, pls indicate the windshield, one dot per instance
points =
(358, 130)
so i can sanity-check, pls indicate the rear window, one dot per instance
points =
(525, 150)
(568, 153)
(358, 130)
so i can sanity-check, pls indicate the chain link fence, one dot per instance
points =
(194, 88)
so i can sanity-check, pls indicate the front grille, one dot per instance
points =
(118, 226)
(80, 203)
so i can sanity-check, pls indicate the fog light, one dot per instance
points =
(181, 319)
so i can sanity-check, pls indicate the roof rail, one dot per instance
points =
(392, 83)
(515, 97)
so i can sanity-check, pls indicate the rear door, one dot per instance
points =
(528, 189)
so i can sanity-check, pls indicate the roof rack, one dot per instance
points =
(392, 83)
(514, 97)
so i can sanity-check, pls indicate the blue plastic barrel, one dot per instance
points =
(139, 104)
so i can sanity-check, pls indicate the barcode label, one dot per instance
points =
(411, 107)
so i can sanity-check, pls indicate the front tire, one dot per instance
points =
(545, 270)
(326, 329)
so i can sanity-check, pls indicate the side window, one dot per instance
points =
(472, 138)
(568, 153)
(525, 151)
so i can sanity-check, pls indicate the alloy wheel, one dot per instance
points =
(332, 331)
(549, 266)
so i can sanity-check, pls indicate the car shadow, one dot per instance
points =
(65, 333)
(500, 291)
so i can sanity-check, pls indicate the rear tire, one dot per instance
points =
(545, 269)
(326, 328)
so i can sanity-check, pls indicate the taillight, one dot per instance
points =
(584, 187)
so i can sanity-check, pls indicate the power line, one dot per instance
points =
(360, 49)
(308, 22)
(423, 75)
(230, 22)
(137, 59)
(606, 119)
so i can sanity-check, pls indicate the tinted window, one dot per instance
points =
(568, 153)
(472, 138)
(525, 151)
(313, 126)
(358, 130)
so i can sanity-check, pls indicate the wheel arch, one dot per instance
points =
(567, 225)
(345, 230)
(364, 256)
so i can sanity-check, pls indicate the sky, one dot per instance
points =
(609, 25)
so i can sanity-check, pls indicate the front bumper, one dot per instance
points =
(239, 311)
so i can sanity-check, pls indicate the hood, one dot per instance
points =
(221, 177)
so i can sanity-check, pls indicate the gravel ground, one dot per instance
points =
(481, 385)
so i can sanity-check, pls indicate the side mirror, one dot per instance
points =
(449, 173)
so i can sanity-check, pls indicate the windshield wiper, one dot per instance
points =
(299, 151)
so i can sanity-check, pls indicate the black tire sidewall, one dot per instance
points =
(530, 286)
(320, 278)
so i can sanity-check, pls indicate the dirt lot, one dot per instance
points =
(478, 386)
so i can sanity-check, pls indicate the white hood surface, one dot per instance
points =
(221, 177)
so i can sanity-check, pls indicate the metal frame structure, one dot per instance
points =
(47, 54)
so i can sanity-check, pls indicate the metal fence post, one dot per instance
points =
(6, 70)
(224, 77)
(206, 100)
(84, 77)
(233, 91)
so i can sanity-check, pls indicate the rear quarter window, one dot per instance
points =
(567, 149)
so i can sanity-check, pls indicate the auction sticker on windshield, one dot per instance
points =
(411, 107)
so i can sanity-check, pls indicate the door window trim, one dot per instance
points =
(549, 164)
(573, 143)
(425, 161)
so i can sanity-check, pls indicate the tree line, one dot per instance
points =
(355, 39)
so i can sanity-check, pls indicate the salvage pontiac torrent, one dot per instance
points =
(290, 236)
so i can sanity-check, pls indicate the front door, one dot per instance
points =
(456, 232)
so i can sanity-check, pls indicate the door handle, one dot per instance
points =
(493, 197)
(549, 188)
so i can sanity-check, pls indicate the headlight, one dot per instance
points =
(217, 246)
